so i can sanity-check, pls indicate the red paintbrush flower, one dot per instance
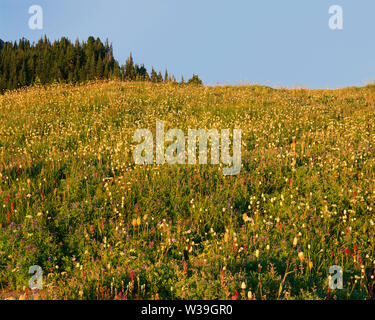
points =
(132, 275)
(222, 273)
(235, 297)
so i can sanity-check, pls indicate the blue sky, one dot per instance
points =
(279, 43)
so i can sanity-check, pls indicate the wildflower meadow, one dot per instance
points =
(100, 226)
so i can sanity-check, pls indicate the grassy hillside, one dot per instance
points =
(73, 202)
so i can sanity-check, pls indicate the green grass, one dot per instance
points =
(73, 201)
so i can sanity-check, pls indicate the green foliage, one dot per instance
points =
(195, 81)
(23, 64)
(154, 76)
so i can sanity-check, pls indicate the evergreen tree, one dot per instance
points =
(99, 68)
(23, 74)
(166, 76)
(23, 63)
(143, 73)
(154, 76)
(195, 81)
(130, 73)
(159, 77)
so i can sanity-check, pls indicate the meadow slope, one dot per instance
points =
(73, 202)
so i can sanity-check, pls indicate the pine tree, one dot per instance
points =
(166, 76)
(154, 76)
(91, 68)
(116, 70)
(22, 63)
(99, 68)
(143, 75)
(23, 75)
(159, 77)
(130, 73)
(195, 81)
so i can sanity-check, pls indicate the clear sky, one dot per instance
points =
(273, 42)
